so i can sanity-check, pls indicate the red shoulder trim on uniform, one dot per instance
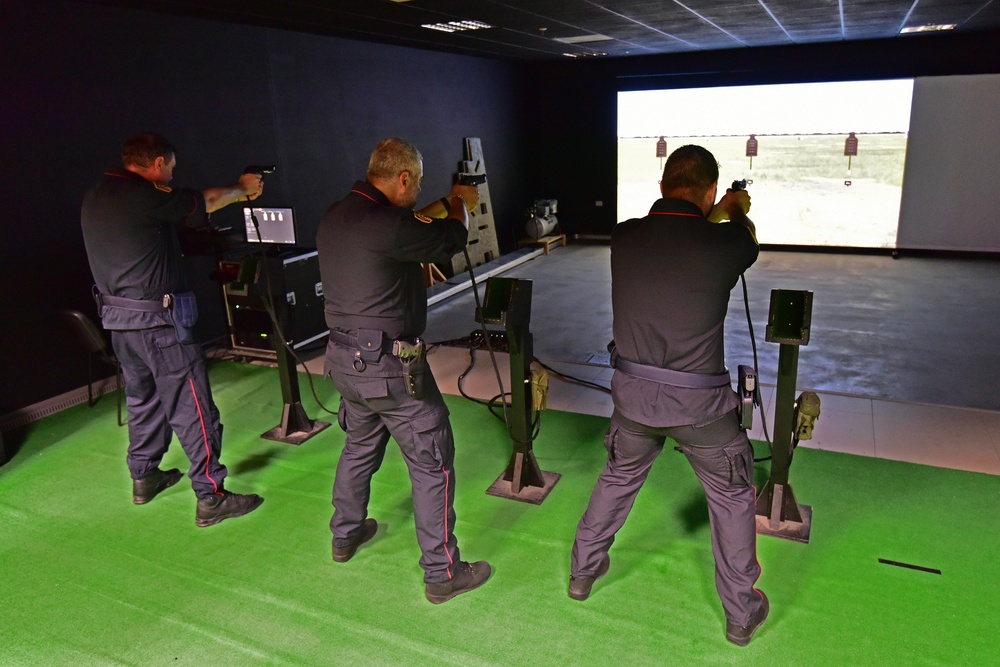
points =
(683, 215)
(365, 195)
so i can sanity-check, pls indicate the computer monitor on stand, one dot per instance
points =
(271, 226)
(276, 227)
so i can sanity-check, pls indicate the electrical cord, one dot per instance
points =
(501, 397)
(269, 308)
(575, 380)
(491, 403)
(756, 389)
(468, 369)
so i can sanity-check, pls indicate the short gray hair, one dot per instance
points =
(392, 157)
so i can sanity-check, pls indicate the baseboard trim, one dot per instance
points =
(32, 413)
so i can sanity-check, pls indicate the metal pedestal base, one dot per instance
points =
(504, 488)
(779, 515)
(295, 427)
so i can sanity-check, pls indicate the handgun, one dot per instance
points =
(471, 179)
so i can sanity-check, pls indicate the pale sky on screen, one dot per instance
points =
(803, 108)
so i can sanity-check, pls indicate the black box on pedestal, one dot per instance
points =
(286, 286)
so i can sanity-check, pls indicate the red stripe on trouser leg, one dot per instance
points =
(204, 435)
(447, 553)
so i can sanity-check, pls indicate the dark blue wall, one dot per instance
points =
(77, 79)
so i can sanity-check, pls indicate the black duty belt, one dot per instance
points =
(668, 376)
(354, 343)
(130, 304)
(370, 344)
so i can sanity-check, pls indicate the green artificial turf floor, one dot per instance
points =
(87, 578)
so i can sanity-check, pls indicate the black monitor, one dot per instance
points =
(269, 225)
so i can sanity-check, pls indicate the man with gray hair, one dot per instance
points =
(371, 245)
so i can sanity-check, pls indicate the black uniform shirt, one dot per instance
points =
(369, 260)
(130, 232)
(671, 276)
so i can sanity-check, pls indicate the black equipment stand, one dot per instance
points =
(778, 513)
(296, 427)
(507, 302)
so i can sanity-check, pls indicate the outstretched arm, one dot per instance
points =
(734, 206)
(248, 188)
(456, 205)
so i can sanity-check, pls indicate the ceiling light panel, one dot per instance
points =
(456, 26)
(583, 39)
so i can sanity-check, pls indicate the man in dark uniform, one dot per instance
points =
(672, 272)
(371, 245)
(130, 221)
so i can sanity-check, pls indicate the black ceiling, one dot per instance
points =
(547, 29)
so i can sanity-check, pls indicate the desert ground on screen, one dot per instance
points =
(798, 185)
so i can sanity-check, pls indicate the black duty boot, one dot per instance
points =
(467, 577)
(213, 509)
(579, 587)
(367, 532)
(742, 634)
(156, 480)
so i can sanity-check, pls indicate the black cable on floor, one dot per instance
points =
(269, 307)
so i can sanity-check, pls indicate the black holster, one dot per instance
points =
(413, 358)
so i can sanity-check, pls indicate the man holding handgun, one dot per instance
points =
(371, 245)
(671, 275)
(130, 221)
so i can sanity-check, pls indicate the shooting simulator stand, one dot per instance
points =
(296, 427)
(778, 513)
(507, 302)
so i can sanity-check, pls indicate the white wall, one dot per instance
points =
(952, 173)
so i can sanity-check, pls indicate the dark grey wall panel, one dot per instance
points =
(79, 78)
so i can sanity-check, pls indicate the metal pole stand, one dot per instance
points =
(295, 427)
(508, 302)
(778, 513)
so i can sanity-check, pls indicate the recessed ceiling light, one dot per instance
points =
(929, 27)
(585, 54)
(456, 26)
(583, 39)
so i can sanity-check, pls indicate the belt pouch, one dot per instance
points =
(184, 313)
(370, 344)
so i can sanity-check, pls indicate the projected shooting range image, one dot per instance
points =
(824, 161)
